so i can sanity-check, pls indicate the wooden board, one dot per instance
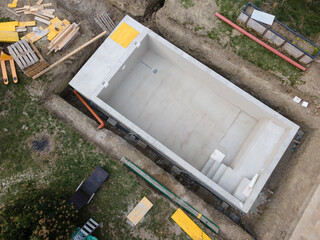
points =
(139, 211)
(42, 20)
(9, 37)
(21, 29)
(189, 226)
(27, 24)
(8, 26)
(124, 35)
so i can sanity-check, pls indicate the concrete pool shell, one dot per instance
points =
(226, 139)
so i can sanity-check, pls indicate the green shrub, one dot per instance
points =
(37, 214)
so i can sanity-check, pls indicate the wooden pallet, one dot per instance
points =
(37, 67)
(23, 54)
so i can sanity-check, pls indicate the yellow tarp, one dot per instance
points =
(9, 37)
(8, 26)
(189, 226)
(124, 35)
(27, 24)
(139, 211)
(55, 27)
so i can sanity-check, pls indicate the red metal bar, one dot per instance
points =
(261, 42)
(90, 109)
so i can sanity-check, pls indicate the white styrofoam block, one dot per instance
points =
(263, 17)
(217, 155)
(304, 104)
(297, 99)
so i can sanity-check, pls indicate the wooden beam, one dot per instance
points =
(36, 14)
(39, 2)
(69, 55)
(42, 20)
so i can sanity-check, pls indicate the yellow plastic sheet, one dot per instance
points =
(124, 35)
(189, 226)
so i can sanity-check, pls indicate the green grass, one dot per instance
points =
(187, 3)
(265, 59)
(5, 19)
(302, 16)
(253, 52)
(198, 28)
(70, 160)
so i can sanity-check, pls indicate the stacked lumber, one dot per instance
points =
(39, 10)
(8, 32)
(64, 37)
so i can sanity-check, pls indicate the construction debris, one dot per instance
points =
(13, 12)
(170, 195)
(105, 22)
(64, 38)
(69, 55)
(23, 54)
(13, 4)
(139, 211)
(37, 10)
(21, 29)
(9, 37)
(304, 104)
(42, 20)
(56, 25)
(189, 226)
(8, 26)
(28, 57)
(296, 99)
(4, 57)
(37, 67)
(27, 24)
(38, 33)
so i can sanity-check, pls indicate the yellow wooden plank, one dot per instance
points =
(189, 226)
(27, 24)
(13, 4)
(8, 26)
(124, 35)
(139, 211)
(55, 27)
(9, 37)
